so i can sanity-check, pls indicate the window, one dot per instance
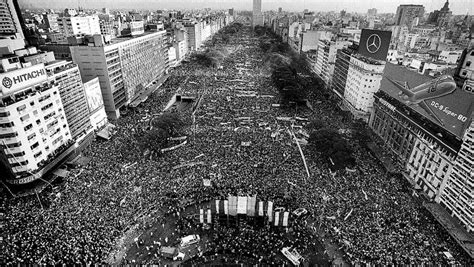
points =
(38, 154)
(38, 122)
(7, 125)
(28, 127)
(31, 136)
(35, 145)
(24, 118)
(21, 108)
(468, 63)
(4, 114)
(32, 103)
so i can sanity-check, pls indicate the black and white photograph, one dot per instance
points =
(236, 133)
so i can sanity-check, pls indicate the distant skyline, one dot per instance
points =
(459, 7)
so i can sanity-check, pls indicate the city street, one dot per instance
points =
(123, 206)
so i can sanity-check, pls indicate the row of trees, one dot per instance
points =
(285, 67)
(215, 57)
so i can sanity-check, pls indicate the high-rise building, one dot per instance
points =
(79, 26)
(257, 16)
(363, 80)
(440, 17)
(34, 132)
(10, 28)
(125, 66)
(67, 76)
(193, 30)
(409, 14)
(341, 68)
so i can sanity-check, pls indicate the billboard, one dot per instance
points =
(374, 44)
(438, 99)
(18, 79)
(93, 95)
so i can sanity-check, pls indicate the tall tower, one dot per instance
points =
(257, 17)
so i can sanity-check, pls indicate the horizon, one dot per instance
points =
(382, 6)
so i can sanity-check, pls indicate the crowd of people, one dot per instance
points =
(245, 148)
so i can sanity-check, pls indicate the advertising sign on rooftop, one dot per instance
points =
(18, 79)
(374, 44)
(438, 99)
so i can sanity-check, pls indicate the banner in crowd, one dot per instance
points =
(251, 201)
(209, 216)
(286, 214)
(232, 206)
(260, 208)
(277, 218)
(242, 205)
(270, 211)
(201, 216)
(206, 182)
(173, 147)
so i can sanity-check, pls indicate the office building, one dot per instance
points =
(409, 15)
(440, 17)
(372, 12)
(433, 145)
(341, 69)
(34, 132)
(51, 21)
(125, 66)
(10, 28)
(78, 26)
(67, 76)
(257, 16)
(363, 80)
(458, 192)
(193, 29)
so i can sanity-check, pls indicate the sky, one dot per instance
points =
(459, 7)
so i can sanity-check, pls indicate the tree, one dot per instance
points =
(331, 145)
(163, 127)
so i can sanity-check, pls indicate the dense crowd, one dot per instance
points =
(245, 150)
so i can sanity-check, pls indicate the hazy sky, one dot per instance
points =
(383, 6)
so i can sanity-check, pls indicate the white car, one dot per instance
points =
(189, 240)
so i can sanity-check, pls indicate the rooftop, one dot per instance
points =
(126, 38)
(449, 107)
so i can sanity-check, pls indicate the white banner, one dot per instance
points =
(260, 208)
(217, 206)
(270, 211)
(285, 218)
(201, 216)
(174, 147)
(18, 79)
(209, 217)
(241, 205)
(277, 218)
(226, 207)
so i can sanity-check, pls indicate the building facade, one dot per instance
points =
(34, 132)
(10, 28)
(409, 14)
(363, 80)
(79, 26)
(67, 76)
(257, 16)
(459, 191)
(341, 69)
(125, 67)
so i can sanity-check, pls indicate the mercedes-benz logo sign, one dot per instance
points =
(373, 43)
(7, 82)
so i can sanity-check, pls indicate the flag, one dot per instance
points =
(286, 214)
(232, 206)
(226, 207)
(209, 216)
(260, 208)
(201, 215)
(270, 211)
(251, 201)
(242, 205)
(277, 218)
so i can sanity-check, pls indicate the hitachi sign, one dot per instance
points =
(18, 79)
(27, 76)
